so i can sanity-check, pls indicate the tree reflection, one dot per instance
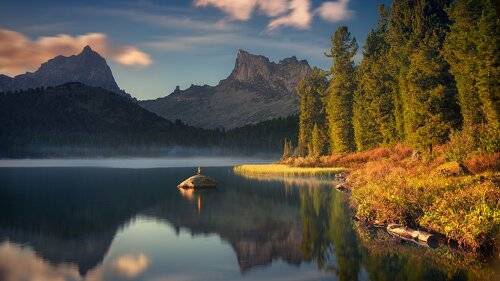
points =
(336, 244)
(328, 237)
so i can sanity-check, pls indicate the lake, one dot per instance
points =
(124, 219)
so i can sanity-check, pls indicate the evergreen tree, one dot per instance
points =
(400, 38)
(472, 50)
(373, 109)
(287, 149)
(317, 144)
(489, 63)
(340, 91)
(416, 34)
(311, 91)
(431, 110)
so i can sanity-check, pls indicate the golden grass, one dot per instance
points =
(352, 160)
(286, 170)
(389, 185)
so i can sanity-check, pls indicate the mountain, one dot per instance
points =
(88, 67)
(256, 90)
(76, 115)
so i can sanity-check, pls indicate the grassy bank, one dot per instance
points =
(286, 170)
(395, 185)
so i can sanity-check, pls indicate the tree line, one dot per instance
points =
(76, 119)
(430, 72)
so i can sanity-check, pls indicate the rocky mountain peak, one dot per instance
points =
(249, 67)
(87, 67)
(257, 69)
(87, 49)
(256, 90)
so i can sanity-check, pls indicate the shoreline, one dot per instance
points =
(386, 186)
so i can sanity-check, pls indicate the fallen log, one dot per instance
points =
(418, 236)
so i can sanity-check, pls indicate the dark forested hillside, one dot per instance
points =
(266, 136)
(74, 114)
(75, 119)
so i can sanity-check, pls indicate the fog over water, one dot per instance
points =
(135, 163)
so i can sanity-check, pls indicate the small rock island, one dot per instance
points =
(198, 181)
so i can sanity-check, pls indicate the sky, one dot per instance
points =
(153, 46)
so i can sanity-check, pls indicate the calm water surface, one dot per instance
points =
(128, 221)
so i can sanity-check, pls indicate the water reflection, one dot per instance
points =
(121, 224)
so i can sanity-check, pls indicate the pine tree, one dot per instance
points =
(311, 91)
(340, 91)
(373, 109)
(416, 33)
(472, 50)
(489, 63)
(317, 143)
(400, 38)
(430, 101)
(287, 150)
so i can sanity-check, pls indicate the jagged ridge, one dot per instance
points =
(256, 90)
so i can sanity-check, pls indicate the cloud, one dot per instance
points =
(242, 9)
(131, 265)
(299, 16)
(165, 21)
(335, 11)
(291, 13)
(132, 56)
(19, 54)
(187, 44)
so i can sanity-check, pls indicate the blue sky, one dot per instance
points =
(152, 46)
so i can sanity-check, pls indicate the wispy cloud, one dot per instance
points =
(186, 44)
(291, 13)
(299, 16)
(19, 54)
(183, 22)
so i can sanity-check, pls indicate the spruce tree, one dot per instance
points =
(400, 36)
(287, 150)
(489, 63)
(416, 34)
(340, 91)
(472, 50)
(461, 52)
(373, 109)
(430, 101)
(311, 91)
(317, 143)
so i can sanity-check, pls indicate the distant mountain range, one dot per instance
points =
(73, 103)
(255, 91)
(88, 67)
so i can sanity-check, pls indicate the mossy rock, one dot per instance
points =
(198, 181)
(453, 168)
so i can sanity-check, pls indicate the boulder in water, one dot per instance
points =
(198, 181)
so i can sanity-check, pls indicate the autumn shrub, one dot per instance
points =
(401, 152)
(454, 192)
(480, 163)
(469, 215)
(410, 192)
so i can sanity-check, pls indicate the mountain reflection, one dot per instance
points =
(64, 221)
